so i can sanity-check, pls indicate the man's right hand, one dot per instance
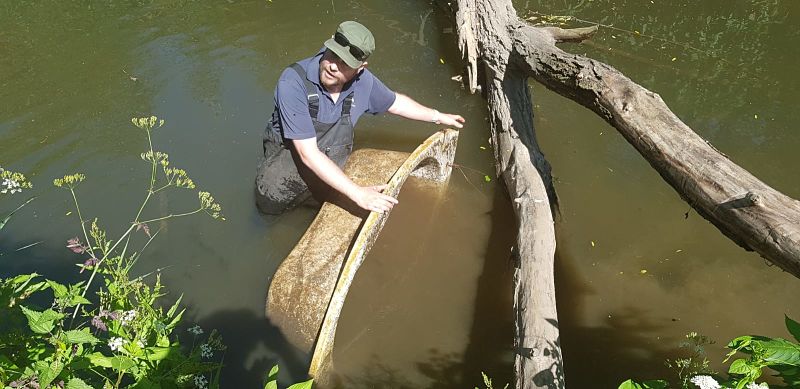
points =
(366, 197)
(371, 198)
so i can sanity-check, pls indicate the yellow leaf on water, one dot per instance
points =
(755, 116)
(69, 213)
(483, 148)
(592, 243)
(678, 250)
(643, 271)
(441, 60)
(674, 58)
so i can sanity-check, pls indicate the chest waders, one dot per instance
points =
(280, 186)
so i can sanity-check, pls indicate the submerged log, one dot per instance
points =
(492, 38)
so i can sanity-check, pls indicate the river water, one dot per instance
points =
(636, 268)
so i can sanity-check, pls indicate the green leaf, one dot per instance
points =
(162, 341)
(302, 385)
(793, 327)
(79, 336)
(272, 378)
(650, 384)
(23, 278)
(48, 373)
(487, 178)
(780, 351)
(273, 373)
(740, 342)
(156, 353)
(78, 299)
(740, 366)
(174, 307)
(77, 383)
(59, 290)
(119, 363)
(175, 320)
(41, 322)
(629, 384)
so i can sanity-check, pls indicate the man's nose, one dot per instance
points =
(334, 66)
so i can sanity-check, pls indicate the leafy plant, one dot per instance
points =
(272, 381)
(488, 382)
(780, 355)
(695, 363)
(122, 339)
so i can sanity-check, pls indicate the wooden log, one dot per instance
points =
(484, 36)
(745, 209)
(491, 36)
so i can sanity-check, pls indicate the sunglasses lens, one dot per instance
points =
(342, 40)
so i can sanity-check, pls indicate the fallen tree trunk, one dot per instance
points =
(484, 37)
(507, 51)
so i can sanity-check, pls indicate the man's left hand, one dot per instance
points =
(448, 119)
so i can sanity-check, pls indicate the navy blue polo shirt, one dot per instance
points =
(291, 118)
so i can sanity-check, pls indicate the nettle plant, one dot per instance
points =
(120, 336)
(779, 355)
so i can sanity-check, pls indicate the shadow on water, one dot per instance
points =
(625, 344)
(246, 364)
(489, 340)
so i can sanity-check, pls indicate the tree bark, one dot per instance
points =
(502, 52)
(485, 41)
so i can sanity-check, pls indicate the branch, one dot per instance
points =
(571, 34)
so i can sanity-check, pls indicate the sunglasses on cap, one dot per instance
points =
(342, 40)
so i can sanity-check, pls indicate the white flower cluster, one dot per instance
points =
(10, 186)
(127, 317)
(196, 330)
(200, 381)
(206, 351)
(754, 385)
(116, 344)
(705, 382)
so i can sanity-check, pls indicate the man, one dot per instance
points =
(317, 102)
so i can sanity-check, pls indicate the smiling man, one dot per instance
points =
(318, 101)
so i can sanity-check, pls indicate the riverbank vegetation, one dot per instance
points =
(113, 335)
(754, 356)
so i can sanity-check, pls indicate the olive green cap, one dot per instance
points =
(353, 43)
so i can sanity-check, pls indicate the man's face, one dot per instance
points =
(334, 73)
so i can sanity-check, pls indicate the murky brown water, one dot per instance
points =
(431, 306)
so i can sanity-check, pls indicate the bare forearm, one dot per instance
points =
(328, 172)
(368, 198)
(408, 108)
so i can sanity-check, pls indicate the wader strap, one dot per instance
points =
(348, 102)
(311, 95)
